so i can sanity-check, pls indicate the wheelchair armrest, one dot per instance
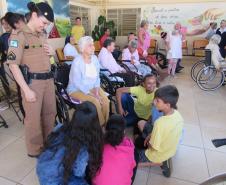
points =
(145, 63)
(104, 70)
(58, 84)
(110, 74)
(129, 61)
(126, 61)
(199, 48)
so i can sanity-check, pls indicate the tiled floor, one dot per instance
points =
(196, 158)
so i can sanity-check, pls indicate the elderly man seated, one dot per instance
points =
(131, 54)
(108, 62)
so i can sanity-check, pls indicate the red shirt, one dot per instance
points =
(102, 39)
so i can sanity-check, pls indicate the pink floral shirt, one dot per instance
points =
(146, 37)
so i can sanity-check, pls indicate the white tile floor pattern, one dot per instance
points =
(196, 158)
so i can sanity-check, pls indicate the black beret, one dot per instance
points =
(42, 8)
(46, 10)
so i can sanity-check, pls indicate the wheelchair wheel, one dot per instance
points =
(196, 68)
(162, 61)
(209, 79)
(62, 110)
(125, 67)
(107, 85)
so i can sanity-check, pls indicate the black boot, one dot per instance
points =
(219, 142)
(166, 169)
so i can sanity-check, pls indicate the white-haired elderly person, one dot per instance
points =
(216, 58)
(130, 57)
(84, 79)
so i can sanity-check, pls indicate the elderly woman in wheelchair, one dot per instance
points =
(130, 58)
(212, 75)
(84, 79)
(217, 60)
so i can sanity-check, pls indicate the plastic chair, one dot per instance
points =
(12, 99)
(97, 47)
(185, 46)
(61, 57)
(153, 47)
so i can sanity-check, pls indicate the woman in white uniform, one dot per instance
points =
(174, 48)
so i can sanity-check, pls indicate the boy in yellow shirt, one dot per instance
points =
(162, 142)
(78, 30)
(140, 107)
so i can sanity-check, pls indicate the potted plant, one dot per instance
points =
(98, 30)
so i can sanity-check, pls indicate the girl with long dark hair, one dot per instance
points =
(72, 150)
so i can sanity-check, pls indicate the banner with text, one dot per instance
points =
(192, 16)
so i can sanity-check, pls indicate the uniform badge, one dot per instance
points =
(11, 56)
(13, 43)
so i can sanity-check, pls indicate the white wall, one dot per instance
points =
(3, 9)
(113, 4)
(120, 3)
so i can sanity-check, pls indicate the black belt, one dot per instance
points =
(41, 76)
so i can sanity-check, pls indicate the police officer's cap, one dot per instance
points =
(43, 8)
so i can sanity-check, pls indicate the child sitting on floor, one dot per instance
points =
(73, 152)
(162, 142)
(118, 155)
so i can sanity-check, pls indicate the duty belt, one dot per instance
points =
(41, 76)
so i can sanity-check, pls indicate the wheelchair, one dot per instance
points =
(209, 78)
(63, 101)
(161, 61)
(125, 64)
(109, 82)
(196, 68)
(161, 58)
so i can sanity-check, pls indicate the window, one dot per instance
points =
(126, 20)
(84, 13)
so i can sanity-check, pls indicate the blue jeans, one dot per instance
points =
(155, 114)
(128, 106)
(132, 118)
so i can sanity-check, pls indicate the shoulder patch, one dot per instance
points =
(11, 56)
(13, 43)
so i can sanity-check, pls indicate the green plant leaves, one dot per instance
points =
(98, 30)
